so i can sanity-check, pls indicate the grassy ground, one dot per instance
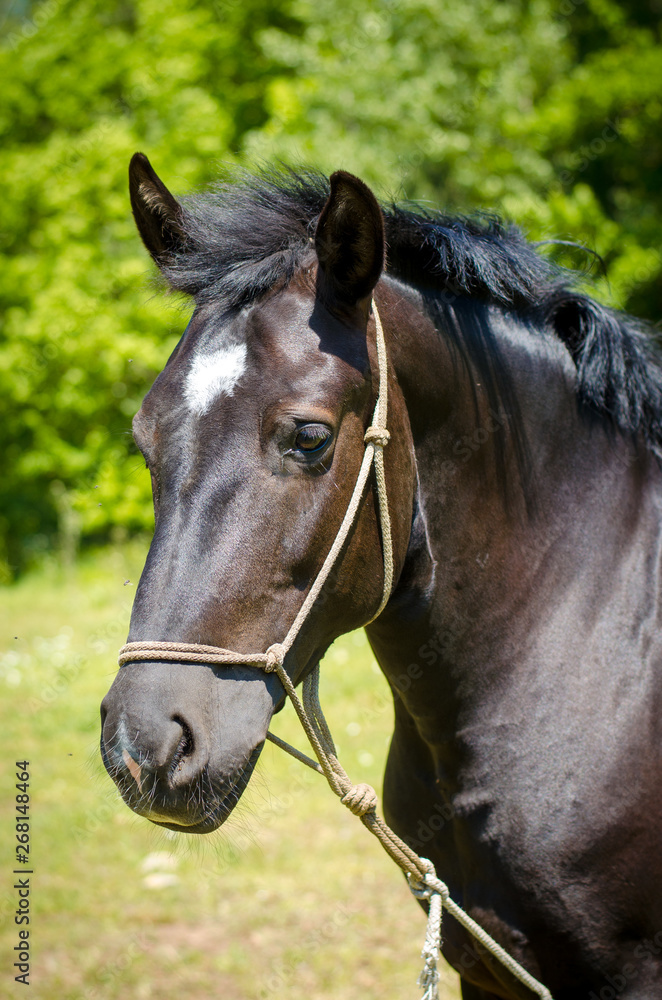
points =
(292, 898)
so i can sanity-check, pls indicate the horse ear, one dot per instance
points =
(158, 215)
(349, 239)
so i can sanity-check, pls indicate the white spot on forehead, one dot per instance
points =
(212, 375)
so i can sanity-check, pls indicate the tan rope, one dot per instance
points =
(360, 799)
(288, 748)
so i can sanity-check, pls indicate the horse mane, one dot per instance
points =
(244, 237)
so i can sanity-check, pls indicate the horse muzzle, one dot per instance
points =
(172, 743)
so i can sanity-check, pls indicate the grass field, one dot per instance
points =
(291, 898)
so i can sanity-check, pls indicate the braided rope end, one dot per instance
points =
(426, 885)
(428, 981)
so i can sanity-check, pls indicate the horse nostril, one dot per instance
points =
(186, 746)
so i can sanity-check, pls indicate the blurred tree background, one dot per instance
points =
(549, 112)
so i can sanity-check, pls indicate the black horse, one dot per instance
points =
(522, 638)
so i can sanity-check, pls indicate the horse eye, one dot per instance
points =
(312, 437)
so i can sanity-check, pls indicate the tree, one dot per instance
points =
(547, 112)
(83, 335)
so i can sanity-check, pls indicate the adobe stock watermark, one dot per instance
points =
(30, 26)
(283, 974)
(568, 7)
(112, 972)
(65, 665)
(98, 132)
(589, 152)
(627, 974)
(246, 835)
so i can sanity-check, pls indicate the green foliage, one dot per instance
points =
(550, 113)
(83, 334)
(547, 111)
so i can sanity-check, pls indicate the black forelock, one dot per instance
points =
(244, 237)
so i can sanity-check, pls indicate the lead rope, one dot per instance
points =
(360, 799)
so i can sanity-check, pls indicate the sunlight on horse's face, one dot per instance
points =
(253, 462)
(253, 434)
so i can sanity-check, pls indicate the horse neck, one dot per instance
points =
(485, 564)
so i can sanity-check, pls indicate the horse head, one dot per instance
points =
(253, 434)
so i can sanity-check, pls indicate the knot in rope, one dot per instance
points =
(418, 885)
(360, 799)
(425, 885)
(275, 657)
(378, 436)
